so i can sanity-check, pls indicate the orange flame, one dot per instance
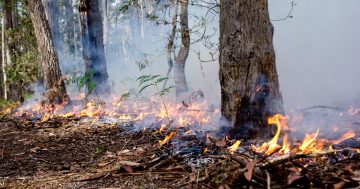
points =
(347, 135)
(309, 142)
(286, 146)
(167, 138)
(234, 147)
(272, 146)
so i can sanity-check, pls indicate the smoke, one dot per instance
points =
(316, 55)
(317, 52)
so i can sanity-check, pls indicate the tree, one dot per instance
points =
(180, 59)
(52, 14)
(248, 76)
(53, 81)
(92, 43)
(7, 47)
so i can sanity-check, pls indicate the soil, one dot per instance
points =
(68, 156)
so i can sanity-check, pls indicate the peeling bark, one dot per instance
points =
(248, 76)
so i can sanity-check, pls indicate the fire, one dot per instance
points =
(206, 150)
(234, 147)
(167, 138)
(162, 128)
(188, 132)
(45, 117)
(309, 142)
(286, 145)
(347, 135)
(271, 146)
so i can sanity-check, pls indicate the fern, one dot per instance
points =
(146, 81)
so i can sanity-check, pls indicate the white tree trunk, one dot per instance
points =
(3, 62)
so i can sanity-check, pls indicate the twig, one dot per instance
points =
(321, 107)
(289, 156)
(268, 180)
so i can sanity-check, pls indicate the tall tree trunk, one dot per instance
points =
(54, 84)
(180, 59)
(52, 14)
(106, 25)
(70, 27)
(92, 42)
(170, 45)
(13, 91)
(3, 78)
(248, 76)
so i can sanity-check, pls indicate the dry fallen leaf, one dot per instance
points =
(249, 169)
(129, 163)
(128, 169)
(292, 177)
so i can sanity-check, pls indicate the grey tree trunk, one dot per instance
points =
(52, 15)
(170, 45)
(70, 28)
(53, 81)
(92, 43)
(106, 25)
(180, 59)
(248, 76)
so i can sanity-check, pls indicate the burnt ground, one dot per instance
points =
(70, 153)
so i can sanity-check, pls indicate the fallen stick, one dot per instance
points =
(289, 156)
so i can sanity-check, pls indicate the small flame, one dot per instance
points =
(167, 138)
(347, 135)
(234, 147)
(206, 150)
(286, 146)
(309, 142)
(162, 128)
(271, 146)
(188, 132)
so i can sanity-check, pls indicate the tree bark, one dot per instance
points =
(248, 76)
(3, 78)
(70, 28)
(170, 45)
(10, 22)
(53, 81)
(180, 59)
(92, 43)
(52, 15)
(106, 25)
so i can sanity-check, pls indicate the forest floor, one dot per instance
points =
(72, 153)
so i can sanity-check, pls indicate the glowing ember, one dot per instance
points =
(167, 138)
(234, 147)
